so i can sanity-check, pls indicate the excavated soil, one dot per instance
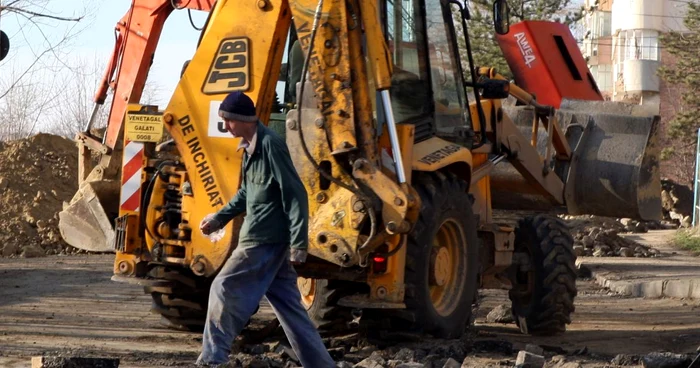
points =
(37, 175)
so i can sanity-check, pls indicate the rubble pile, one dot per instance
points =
(350, 351)
(677, 203)
(37, 175)
(599, 236)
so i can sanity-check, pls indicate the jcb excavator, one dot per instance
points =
(404, 152)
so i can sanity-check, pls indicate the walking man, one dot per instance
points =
(274, 236)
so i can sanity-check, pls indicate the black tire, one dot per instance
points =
(321, 303)
(445, 205)
(182, 304)
(543, 294)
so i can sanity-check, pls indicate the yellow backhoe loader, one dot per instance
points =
(404, 152)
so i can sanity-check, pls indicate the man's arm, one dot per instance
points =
(233, 208)
(294, 196)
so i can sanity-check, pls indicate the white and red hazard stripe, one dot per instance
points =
(132, 161)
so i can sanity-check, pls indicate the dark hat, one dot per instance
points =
(238, 106)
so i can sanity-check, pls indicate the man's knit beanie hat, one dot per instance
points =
(238, 106)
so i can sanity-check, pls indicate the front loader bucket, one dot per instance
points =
(86, 222)
(615, 170)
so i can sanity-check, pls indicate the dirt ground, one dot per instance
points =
(68, 305)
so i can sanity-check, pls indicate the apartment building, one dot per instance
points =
(621, 45)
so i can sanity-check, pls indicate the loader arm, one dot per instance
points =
(86, 223)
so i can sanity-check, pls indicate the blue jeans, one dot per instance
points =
(236, 292)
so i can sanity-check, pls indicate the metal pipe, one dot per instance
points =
(393, 136)
(695, 184)
(93, 116)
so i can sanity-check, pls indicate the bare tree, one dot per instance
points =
(75, 103)
(76, 100)
(24, 105)
(41, 33)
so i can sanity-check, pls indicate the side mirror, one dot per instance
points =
(501, 16)
(4, 45)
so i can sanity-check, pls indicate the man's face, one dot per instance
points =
(235, 127)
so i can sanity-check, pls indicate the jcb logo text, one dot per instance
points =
(229, 69)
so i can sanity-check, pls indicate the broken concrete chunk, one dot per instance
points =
(411, 365)
(665, 360)
(500, 314)
(625, 359)
(626, 252)
(405, 355)
(529, 360)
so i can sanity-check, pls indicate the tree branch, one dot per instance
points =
(20, 10)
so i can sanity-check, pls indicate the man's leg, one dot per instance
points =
(285, 299)
(235, 293)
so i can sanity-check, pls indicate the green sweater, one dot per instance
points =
(271, 194)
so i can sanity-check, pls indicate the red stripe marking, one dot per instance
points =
(132, 203)
(130, 168)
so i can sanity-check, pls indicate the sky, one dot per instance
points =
(95, 39)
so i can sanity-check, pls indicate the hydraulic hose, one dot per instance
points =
(328, 176)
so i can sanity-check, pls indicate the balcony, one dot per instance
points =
(640, 75)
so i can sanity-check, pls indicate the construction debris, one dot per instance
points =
(599, 236)
(528, 360)
(665, 360)
(37, 175)
(500, 314)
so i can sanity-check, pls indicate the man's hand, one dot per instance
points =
(209, 225)
(297, 256)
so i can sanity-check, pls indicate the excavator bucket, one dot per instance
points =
(614, 170)
(86, 222)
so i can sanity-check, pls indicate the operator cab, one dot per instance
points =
(428, 82)
(427, 87)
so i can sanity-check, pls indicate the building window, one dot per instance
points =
(600, 24)
(638, 44)
(602, 74)
(650, 45)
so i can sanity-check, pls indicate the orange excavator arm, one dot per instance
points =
(87, 221)
(137, 35)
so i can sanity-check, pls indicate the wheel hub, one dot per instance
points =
(440, 266)
(445, 277)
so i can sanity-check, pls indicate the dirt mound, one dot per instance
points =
(37, 175)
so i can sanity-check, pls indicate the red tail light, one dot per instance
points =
(379, 264)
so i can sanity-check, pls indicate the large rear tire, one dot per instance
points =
(442, 257)
(182, 304)
(544, 288)
(320, 298)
